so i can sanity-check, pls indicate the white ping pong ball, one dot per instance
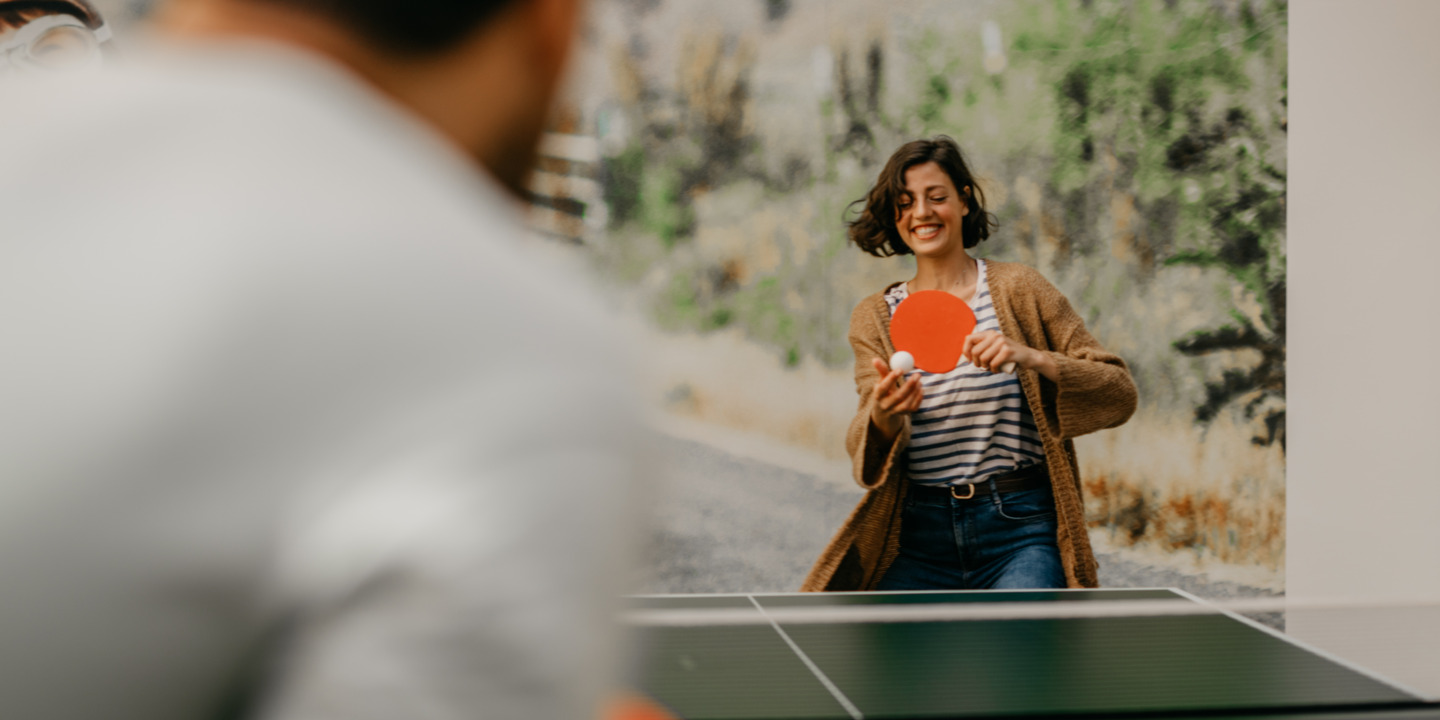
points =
(902, 362)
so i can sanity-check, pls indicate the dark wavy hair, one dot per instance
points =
(874, 230)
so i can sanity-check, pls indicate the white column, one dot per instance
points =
(1363, 482)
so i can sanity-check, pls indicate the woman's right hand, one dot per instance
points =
(893, 399)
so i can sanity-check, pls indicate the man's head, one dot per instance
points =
(42, 35)
(416, 28)
(483, 72)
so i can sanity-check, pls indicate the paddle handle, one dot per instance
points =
(1008, 367)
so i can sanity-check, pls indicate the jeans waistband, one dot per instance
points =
(1029, 477)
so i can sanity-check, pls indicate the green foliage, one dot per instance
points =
(621, 179)
(937, 96)
(1247, 218)
(759, 308)
(1163, 94)
(720, 317)
(1129, 145)
(679, 307)
(664, 207)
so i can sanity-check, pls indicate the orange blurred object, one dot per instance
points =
(634, 706)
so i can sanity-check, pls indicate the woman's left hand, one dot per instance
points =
(991, 351)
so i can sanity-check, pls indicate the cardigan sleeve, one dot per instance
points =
(1095, 390)
(875, 459)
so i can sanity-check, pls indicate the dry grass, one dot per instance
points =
(1170, 485)
(1158, 484)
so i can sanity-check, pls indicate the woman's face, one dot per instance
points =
(928, 214)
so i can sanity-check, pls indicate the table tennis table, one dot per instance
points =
(829, 655)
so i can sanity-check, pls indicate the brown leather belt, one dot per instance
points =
(1029, 477)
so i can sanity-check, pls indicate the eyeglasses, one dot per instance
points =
(53, 42)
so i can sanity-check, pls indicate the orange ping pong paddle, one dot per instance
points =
(931, 325)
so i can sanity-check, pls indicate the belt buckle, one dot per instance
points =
(963, 497)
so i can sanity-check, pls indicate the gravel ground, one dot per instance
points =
(729, 524)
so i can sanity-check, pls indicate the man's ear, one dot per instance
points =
(555, 24)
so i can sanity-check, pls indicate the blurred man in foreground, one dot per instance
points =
(291, 426)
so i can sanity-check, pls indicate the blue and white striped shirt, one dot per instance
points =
(972, 423)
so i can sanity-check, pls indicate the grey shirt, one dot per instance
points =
(281, 434)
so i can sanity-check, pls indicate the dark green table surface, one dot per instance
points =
(1169, 666)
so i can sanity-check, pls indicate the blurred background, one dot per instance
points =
(1134, 152)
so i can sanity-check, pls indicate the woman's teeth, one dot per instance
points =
(925, 232)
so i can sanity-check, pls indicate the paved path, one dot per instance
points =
(733, 524)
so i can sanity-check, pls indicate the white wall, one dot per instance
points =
(1363, 487)
(1363, 484)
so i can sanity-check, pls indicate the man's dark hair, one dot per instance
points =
(408, 27)
(14, 13)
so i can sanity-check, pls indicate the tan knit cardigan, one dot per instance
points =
(1094, 392)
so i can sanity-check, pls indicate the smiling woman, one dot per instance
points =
(972, 477)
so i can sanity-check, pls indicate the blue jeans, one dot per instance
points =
(1001, 540)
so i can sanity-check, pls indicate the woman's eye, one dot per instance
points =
(940, 199)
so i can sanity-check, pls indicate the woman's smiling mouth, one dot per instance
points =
(925, 232)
